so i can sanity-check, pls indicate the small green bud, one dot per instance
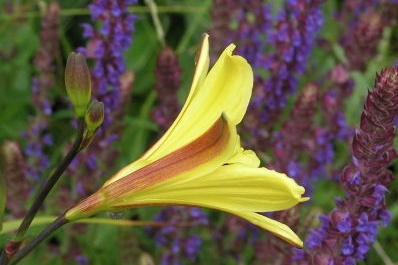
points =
(78, 82)
(93, 118)
(94, 115)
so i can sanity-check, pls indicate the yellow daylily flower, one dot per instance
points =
(199, 161)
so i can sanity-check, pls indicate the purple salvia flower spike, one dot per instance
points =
(364, 203)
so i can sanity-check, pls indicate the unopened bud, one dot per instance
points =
(94, 115)
(93, 118)
(78, 82)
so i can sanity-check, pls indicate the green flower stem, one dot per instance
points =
(49, 184)
(11, 225)
(156, 21)
(60, 221)
(46, 188)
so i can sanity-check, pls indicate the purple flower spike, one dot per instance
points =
(14, 170)
(42, 83)
(362, 40)
(284, 55)
(106, 46)
(293, 38)
(111, 85)
(168, 81)
(353, 224)
(178, 244)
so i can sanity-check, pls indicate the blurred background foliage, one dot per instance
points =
(183, 22)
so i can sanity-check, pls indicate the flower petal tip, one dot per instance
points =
(304, 199)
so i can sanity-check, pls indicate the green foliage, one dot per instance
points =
(3, 198)
(15, 75)
(183, 27)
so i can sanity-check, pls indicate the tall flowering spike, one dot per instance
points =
(361, 43)
(255, 21)
(389, 12)
(347, 233)
(14, 171)
(43, 61)
(333, 102)
(168, 81)
(178, 245)
(294, 141)
(222, 13)
(106, 46)
(292, 39)
(199, 160)
(296, 137)
(36, 134)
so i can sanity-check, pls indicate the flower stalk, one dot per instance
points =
(14, 244)
(90, 117)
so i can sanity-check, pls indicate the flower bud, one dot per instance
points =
(94, 115)
(93, 118)
(78, 82)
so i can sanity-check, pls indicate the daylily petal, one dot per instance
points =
(277, 228)
(242, 156)
(199, 161)
(226, 89)
(201, 70)
(201, 156)
(230, 187)
(237, 189)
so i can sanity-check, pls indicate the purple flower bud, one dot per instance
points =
(88, 30)
(344, 225)
(385, 216)
(348, 248)
(357, 217)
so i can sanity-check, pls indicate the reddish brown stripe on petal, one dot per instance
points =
(209, 145)
(203, 149)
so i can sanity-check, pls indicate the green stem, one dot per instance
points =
(156, 21)
(60, 221)
(51, 181)
(46, 188)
